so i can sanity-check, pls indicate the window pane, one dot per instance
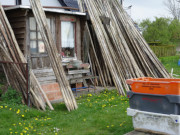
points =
(39, 35)
(41, 46)
(67, 39)
(32, 35)
(32, 23)
(33, 47)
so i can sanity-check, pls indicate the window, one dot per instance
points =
(67, 39)
(36, 42)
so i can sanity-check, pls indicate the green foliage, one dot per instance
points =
(97, 114)
(11, 97)
(163, 30)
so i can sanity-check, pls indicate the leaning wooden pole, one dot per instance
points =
(53, 55)
(11, 52)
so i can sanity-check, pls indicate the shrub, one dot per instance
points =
(11, 96)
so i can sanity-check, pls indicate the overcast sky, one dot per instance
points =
(142, 9)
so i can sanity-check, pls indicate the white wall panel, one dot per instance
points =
(54, 3)
(7, 2)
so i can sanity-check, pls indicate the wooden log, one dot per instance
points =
(53, 55)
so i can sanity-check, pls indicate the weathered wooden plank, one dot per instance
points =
(47, 78)
(19, 31)
(16, 13)
(18, 25)
(17, 19)
(46, 70)
(78, 71)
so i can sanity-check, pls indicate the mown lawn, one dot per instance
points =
(171, 62)
(103, 114)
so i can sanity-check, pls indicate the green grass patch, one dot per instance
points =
(102, 114)
(171, 62)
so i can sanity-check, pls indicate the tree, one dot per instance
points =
(173, 7)
(156, 31)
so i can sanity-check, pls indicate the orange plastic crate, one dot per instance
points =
(150, 85)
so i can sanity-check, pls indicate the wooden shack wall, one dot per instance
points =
(18, 20)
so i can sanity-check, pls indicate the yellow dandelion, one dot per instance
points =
(1, 107)
(84, 119)
(107, 126)
(18, 111)
(10, 109)
(112, 125)
(11, 132)
(22, 116)
(5, 106)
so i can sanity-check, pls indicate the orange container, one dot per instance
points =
(159, 86)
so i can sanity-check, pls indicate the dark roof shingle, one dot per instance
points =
(69, 3)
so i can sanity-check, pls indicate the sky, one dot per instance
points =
(143, 9)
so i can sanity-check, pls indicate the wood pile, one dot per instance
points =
(53, 55)
(119, 51)
(16, 72)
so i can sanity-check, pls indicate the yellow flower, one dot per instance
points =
(10, 109)
(16, 132)
(10, 129)
(107, 126)
(89, 95)
(18, 111)
(36, 118)
(22, 115)
(21, 133)
(14, 124)
(5, 106)
(84, 119)
(1, 107)
(11, 132)
(48, 118)
(112, 125)
(19, 123)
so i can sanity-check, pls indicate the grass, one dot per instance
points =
(103, 114)
(171, 62)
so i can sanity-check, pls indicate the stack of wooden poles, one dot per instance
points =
(53, 55)
(121, 52)
(15, 70)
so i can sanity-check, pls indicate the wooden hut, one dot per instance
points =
(66, 25)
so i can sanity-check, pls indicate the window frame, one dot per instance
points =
(75, 44)
(37, 40)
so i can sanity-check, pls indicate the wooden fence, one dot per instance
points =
(163, 51)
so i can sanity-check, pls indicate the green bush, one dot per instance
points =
(11, 96)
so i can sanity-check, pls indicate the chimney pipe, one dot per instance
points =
(18, 2)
